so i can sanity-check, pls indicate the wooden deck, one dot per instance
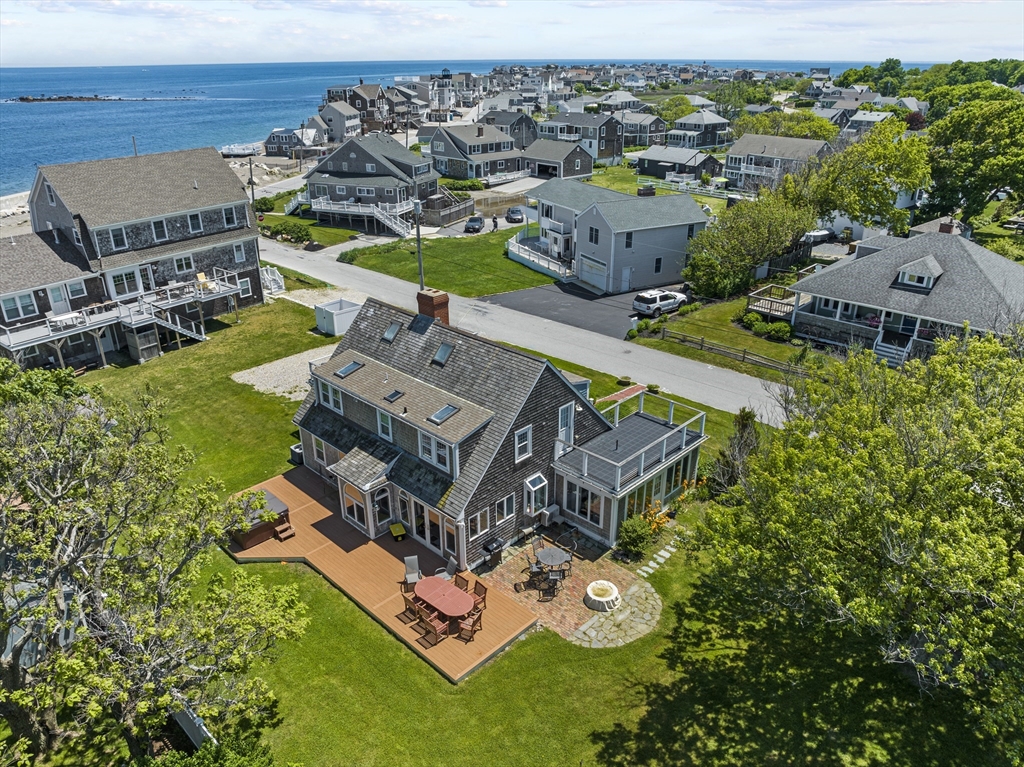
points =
(369, 572)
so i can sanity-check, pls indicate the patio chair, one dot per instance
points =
(411, 608)
(534, 566)
(472, 624)
(448, 571)
(412, 571)
(537, 544)
(462, 582)
(480, 595)
(433, 624)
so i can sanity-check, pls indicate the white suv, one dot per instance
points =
(656, 302)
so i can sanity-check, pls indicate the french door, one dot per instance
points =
(58, 300)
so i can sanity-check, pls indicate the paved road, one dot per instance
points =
(713, 386)
(570, 304)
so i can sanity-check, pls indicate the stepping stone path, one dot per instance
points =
(636, 616)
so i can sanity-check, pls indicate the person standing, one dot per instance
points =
(494, 222)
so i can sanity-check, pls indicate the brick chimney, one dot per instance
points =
(946, 227)
(433, 303)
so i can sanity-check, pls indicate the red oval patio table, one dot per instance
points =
(444, 596)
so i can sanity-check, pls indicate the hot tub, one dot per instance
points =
(602, 596)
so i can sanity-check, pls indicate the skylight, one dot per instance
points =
(349, 369)
(444, 351)
(395, 395)
(443, 414)
(391, 332)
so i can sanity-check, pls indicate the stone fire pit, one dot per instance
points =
(602, 596)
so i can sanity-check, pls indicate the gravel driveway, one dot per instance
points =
(287, 377)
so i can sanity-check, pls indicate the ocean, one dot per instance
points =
(206, 104)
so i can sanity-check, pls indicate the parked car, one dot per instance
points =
(515, 216)
(474, 224)
(655, 302)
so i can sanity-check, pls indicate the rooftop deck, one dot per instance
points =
(369, 573)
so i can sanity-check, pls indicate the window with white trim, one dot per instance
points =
(389, 192)
(330, 165)
(434, 451)
(478, 523)
(524, 443)
(582, 503)
(594, 235)
(371, 167)
(239, 252)
(384, 425)
(339, 190)
(183, 264)
(438, 146)
(22, 305)
(76, 289)
(229, 217)
(50, 196)
(195, 223)
(117, 238)
(125, 283)
(159, 230)
(602, 141)
(629, 239)
(330, 396)
(505, 508)
(318, 450)
(246, 285)
(577, 165)
(344, 166)
(76, 234)
(364, 191)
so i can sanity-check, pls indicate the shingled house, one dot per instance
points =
(129, 253)
(470, 444)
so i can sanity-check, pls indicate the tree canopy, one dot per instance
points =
(864, 181)
(976, 150)
(794, 124)
(674, 107)
(907, 527)
(102, 550)
(745, 236)
(1009, 72)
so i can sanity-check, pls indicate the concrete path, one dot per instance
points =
(712, 386)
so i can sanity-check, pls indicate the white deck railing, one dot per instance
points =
(538, 261)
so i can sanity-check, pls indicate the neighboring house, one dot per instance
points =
(618, 101)
(557, 159)
(474, 151)
(838, 117)
(521, 127)
(370, 170)
(616, 242)
(702, 129)
(659, 161)
(760, 109)
(342, 121)
(299, 142)
(578, 104)
(847, 98)
(600, 134)
(369, 100)
(131, 253)
(470, 444)
(755, 160)
(896, 296)
(641, 129)
(702, 103)
(914, 105)
(861, 122)
(942, 225)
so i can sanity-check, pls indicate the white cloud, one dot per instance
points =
(11, 23)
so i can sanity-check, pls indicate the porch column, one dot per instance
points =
(56, 345)
(460, 543)
(99, 345)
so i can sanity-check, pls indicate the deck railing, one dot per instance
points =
(538, 261)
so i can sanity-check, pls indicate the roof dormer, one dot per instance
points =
(920, 274)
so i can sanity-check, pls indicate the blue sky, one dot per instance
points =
(137, 32)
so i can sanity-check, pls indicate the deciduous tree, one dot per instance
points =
(891, 502)
(794, 124)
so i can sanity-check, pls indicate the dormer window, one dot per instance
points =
(917, 280)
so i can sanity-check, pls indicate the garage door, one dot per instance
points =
(593, 271)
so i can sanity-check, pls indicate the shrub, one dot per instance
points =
(779, 331)
(600, 165)
(624, 380)
(462, 184)
(263, 205)
(462, 195)
(751, 319)
(1006, 209)
(760, 329)
(643, 325)
(634, 535)
(739, 314)
(631, 334)
(654, 517)
(653, 388)
(689, 308)
(1005, 247)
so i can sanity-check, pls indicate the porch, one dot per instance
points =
(369, 573)
(534, 253)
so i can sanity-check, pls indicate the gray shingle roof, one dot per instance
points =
(480, 371)
(782, 147)
(500, 117)
(651, 212)
(673, 154)
(30, 260)
(583, 119)
(469, 134)
(702, 117)
(976, 285)
(573, 194)
(105, 192)
(549, 149)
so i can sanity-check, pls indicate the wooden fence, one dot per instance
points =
(742, 355)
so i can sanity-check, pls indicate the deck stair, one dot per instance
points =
(296, 202)
(272, 280)
(284, 531)
(388, 214)
(893, 355)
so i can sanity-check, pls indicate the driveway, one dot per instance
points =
(572, 305)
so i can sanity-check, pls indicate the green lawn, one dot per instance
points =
(987, 235)
(323, 233)
(470, 266)
(297, 281)
(700, 690)
(622, 178)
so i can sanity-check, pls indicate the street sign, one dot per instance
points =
(259, 217)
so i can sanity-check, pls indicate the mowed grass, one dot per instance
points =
(351, 694)
(470, 266)
(239, 435)
(324, 234)
(622, 178)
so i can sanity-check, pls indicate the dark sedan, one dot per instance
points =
(474, 224)
(515, 216)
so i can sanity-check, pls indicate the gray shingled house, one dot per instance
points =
(896, 296)
(545, 158)
(129, 253)
(756, 160)
(471, 445)
(659, 161)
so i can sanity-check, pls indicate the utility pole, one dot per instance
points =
(252, 183)
(416, 205)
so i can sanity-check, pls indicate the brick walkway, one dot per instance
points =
(566, 613)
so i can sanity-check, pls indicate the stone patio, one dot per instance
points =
(566, 614)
